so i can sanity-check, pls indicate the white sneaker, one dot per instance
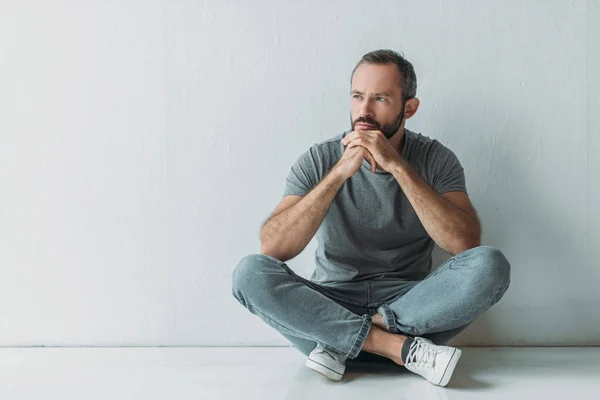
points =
(326, 363)
(434, 363)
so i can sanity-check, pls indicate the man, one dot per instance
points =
(378, 198)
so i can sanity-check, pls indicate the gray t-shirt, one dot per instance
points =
(371, 231)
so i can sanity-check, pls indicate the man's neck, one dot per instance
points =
(398, 140)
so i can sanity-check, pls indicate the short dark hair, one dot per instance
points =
(408, 78)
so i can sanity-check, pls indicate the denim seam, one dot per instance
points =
(272, 259)
(327, 293)
(293, 275)
(491, 300)
(437, 269)
(288, 330)
(390, 321)
(377, 305)
(346, 300)
(360, 337)
(238, 299)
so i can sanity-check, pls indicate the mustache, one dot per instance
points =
(366, 121)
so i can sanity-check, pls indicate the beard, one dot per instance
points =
(388, 130)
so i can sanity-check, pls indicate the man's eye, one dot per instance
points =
(381, 98)
(356, 95)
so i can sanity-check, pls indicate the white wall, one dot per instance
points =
(143, 143)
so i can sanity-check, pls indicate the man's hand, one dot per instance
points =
(352, 159)
(378, 145)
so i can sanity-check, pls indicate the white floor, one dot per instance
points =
(279, 373)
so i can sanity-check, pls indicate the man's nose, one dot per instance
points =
(365, 110)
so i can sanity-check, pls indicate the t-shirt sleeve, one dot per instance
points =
(304, 175)
(445, 171)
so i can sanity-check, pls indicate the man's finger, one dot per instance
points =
(371, 160)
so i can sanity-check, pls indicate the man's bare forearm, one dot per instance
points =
(286, 234)
(450, 228)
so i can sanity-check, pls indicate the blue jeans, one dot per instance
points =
(338, 316)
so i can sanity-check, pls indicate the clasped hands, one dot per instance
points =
(376, 143)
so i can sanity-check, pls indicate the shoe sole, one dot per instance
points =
(323, 370)
(450, 367)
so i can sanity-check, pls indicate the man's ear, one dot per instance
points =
(410, 107)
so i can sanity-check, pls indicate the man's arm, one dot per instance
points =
(284, 235)
(453, 229)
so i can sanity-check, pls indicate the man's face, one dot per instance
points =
(376, 99)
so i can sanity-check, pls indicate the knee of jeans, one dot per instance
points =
(244, 270)
(493, 266)
(247, 275)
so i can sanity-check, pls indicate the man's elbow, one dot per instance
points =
(274, 252)
(268, 251)
(467, 243)
(465, 247)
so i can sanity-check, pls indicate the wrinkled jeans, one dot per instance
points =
(338, 316)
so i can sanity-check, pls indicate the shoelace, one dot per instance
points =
(420, 352)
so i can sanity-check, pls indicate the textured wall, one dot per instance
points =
(142, 144)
